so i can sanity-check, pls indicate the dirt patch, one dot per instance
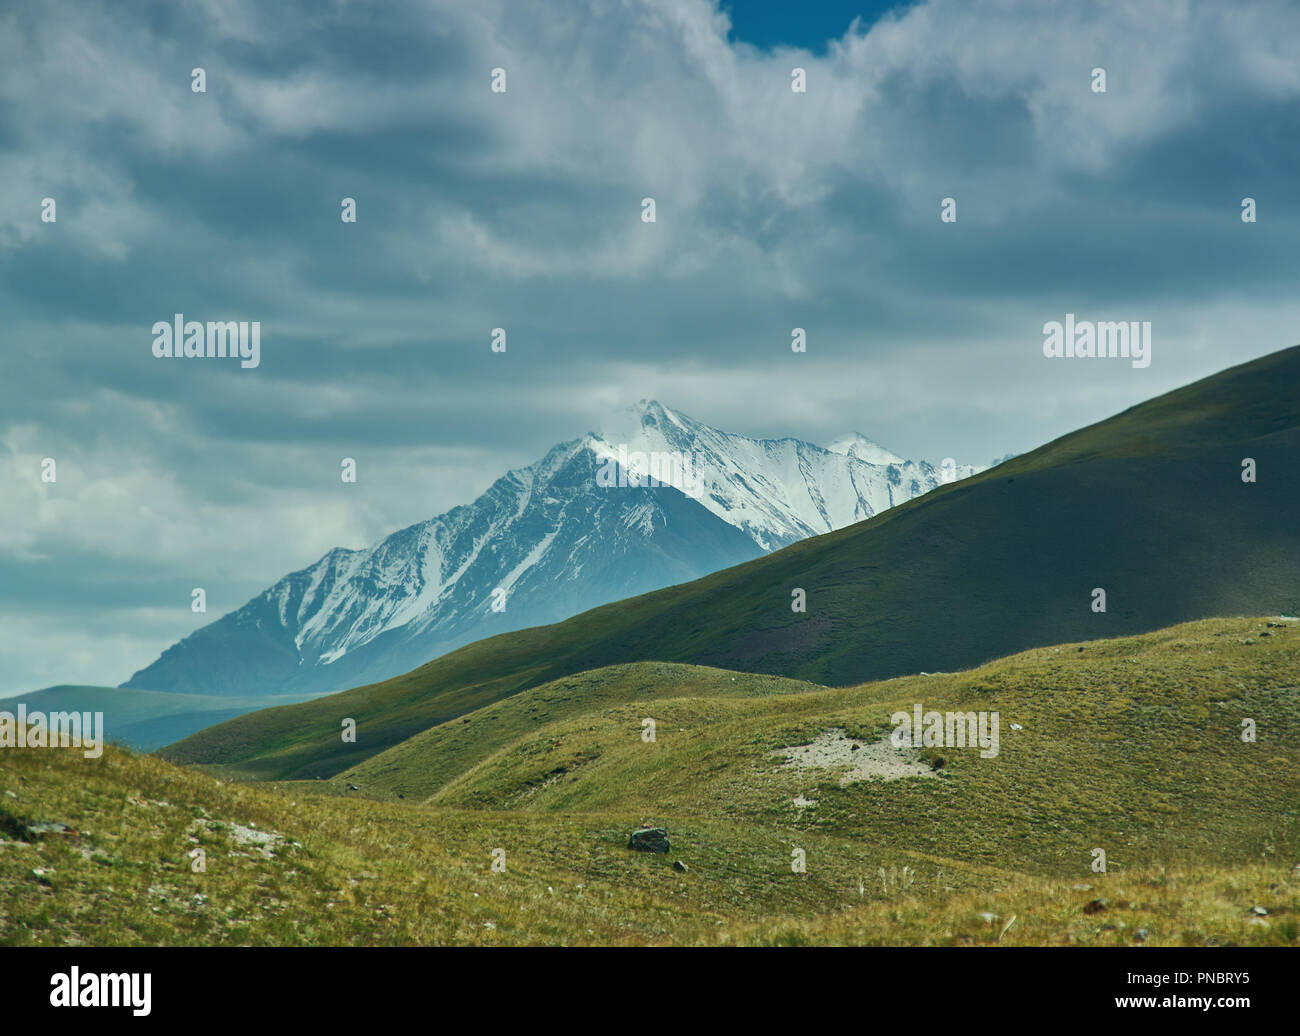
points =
(246, 836)
(264, 842)
(859, 760)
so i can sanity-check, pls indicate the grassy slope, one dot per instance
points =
(140, 719)
(417, 767)
(1125, 744)
(1148, 505)
(1131, 744)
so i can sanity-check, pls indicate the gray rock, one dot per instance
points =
(49, 827)
(22, 831)
(680, 867)
(649, 840)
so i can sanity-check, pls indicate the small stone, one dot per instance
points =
(1259, 911)
(649, 840)
(1080, 887)
(1142, 935)
(49, 827)
(680, 867)
(1096, 906)
(353, 787)
(988, 918)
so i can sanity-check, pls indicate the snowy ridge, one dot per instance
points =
(554, 539)
(777, 490)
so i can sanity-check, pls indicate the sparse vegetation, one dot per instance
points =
(1132, 745)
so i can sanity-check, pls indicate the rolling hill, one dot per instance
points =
(1121, 743)
(1149, 506)
(1130, 745)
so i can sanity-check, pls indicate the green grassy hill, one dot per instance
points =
(1148, 505)
(144, 720)
(1126, 743)
(1130, 744)
(419, 766)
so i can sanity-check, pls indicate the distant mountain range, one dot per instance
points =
(543, 543)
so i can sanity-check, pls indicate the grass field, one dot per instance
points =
(1132, 745)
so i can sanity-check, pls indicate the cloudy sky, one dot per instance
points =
(522, 210)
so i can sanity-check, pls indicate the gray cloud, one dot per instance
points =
(479, 210)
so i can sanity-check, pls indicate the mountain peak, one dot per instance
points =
(651, 408)
(646, 415)
(855, 444)
(555, 538)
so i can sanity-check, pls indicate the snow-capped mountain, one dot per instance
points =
(858, 445)
(777, 490)
(583, 526)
